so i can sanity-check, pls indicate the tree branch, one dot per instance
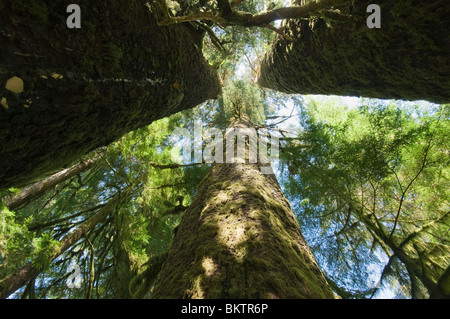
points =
(35, 190)
(279, 31)
(168, 166)
(228, 16)
(214, 39)
(208, 16)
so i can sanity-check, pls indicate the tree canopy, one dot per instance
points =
(367, 178)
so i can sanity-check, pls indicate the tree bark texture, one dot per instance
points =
(67, 91)
(337, 54)
(240, 239)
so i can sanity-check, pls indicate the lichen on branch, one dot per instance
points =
(226, 15)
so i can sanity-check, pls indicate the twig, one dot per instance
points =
(279, 31)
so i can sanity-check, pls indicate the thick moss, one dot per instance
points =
(84, 88)
(407, 58)
(239, 239)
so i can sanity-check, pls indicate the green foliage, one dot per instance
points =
(242, 97)
(365, 180)
(236, 51)
(362, 180)
(135, 230)
(19, 245)
(44, 248)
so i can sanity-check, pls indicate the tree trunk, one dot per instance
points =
(407, 58)
(65, 92)
(240, 239)
(35, 190)
(16, 280)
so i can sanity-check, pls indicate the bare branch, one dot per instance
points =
(208, 16)
(228, 16)
(279, 31)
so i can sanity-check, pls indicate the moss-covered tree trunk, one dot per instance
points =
(407, 58)
(123, 265)
(240, 239)
(67, 91)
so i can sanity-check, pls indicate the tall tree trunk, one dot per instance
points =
(65, 92)
(16, 280)
(35, 190)
(407, 58)
(240, 239)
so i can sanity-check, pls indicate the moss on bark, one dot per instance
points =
(84, 88)
(240, 239)
(407, 58)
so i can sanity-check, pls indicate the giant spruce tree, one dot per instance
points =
(334, 52)
(239, 237)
